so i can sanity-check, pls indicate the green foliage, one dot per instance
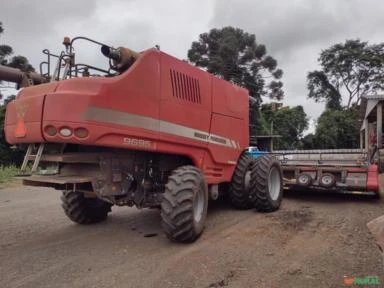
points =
(19, 62)
(5, 50)
(7, 155)
(309, 142)
(7, 173)
(235, 56)
(349, 70)
(321, 89)
(289, 123)
(338, 129)
(258, 123)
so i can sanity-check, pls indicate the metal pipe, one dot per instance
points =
(10, 74)
(15, 75)
(111, 53)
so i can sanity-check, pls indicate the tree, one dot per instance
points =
(349, 71)
(234, 55)
(18, 61)
(5, 50)
(309, 142)
(258, 123)
(338, 129)
(288, 122)
(7, 155)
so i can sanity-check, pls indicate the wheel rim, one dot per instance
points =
(303, 179)
(274, 185)
(198, 205)
(327, 179)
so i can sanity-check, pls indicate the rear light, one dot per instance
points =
(50, 130)
(81, 132)
(66, 132)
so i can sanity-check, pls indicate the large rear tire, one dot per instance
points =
(239, 193)
(84, 210)
(184, 205)
(266, 184)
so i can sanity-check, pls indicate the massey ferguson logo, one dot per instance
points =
(21, 110)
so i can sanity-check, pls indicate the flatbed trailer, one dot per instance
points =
(339, 170)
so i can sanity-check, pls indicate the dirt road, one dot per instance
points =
(313, 241)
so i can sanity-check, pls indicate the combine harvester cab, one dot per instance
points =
(148, 131)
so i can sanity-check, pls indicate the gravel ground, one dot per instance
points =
(314, 240)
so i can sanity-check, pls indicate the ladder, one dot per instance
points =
(32, 157)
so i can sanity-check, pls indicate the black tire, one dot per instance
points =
(266, 184)
(83, 210)
(239, 194)
(184, 205)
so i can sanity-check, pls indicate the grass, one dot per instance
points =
(7, 173)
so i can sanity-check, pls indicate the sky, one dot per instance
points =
(294, 31)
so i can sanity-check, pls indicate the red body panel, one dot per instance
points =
(167, 104)
(373, 178)
(28, 108)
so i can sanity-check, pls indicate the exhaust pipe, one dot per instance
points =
(110, 52)
(122, 58)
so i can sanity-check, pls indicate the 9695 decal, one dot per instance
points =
(137, 142)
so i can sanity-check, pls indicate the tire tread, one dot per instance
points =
(79, 209)
(177, 205)
(259, 184)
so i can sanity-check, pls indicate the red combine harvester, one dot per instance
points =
(149, 131)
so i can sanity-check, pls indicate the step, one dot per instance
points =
(90, 158)
(55, 179)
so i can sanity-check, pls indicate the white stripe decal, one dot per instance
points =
(138, 121)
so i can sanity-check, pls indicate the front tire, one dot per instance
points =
(266, 184)
(84, 210)
(184, 205)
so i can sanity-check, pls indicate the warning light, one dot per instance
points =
(66, 41)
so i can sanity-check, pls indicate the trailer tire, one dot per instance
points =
(266, 184)
(84, 210)
(304, 180)
(184, 205)
(239, 193)
(327, 180)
